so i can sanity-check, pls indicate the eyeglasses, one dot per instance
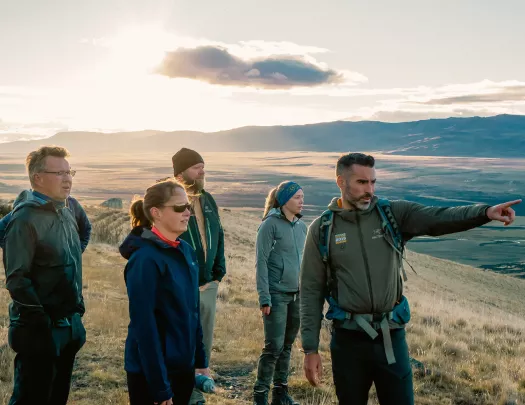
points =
(180, 208)
(63, 173)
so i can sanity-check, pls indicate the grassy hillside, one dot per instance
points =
(468, 328)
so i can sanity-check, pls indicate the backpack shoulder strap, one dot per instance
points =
(389, 223)
(325, 229)
(391, 227)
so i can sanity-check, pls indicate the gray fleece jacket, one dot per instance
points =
(279, 251)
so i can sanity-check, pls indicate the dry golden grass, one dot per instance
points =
(468, 328)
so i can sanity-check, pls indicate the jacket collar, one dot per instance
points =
(336, 206)
(278, 213)
(147, 234)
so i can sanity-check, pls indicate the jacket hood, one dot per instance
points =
(132, 243)
(28, 199)
(138, 238)
(24, 196)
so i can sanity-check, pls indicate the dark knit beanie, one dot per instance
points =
(184, 159)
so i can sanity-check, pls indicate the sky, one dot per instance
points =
(115, 65)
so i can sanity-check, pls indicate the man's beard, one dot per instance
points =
(194, 186)
(358, 204)
(361, 206)
(198, 185)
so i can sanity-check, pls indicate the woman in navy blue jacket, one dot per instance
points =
(164, 346)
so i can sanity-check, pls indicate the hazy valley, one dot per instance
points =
(242, 180)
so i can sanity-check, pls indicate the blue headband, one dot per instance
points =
(287, 192)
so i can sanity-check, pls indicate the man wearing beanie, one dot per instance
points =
(206, 236)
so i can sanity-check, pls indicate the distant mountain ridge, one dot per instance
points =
(501, 136)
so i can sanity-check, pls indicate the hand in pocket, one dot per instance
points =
(31, 339)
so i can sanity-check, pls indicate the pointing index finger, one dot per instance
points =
(511, 203)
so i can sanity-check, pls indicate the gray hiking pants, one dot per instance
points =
(280, 330)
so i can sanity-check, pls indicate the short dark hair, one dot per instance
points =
(345, 162)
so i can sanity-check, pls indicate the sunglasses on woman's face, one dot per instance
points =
(180, 208)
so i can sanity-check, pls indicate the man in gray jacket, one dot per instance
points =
(279, 248)
(361, 279)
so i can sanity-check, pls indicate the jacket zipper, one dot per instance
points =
(209, 233)
(367, 267)
(292, 224)
(206, 226)
(191, 236)
(296, 248)
(69, 237)
(60, 218)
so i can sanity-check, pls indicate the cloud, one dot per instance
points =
(484, 98)
(462, 94)
(9, 137)
(216, 65)
(259, 48)
(494, 95)
(245, 66)
(14, 96)
(11, 131)
(402, 115)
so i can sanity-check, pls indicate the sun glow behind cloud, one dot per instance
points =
(123, 92)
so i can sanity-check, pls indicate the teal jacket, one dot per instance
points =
(43, 261)
(214, 267)
(279, 251)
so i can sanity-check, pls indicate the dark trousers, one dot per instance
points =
(358, 361)
(280, 330)
(43, 376)
(181, 384)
